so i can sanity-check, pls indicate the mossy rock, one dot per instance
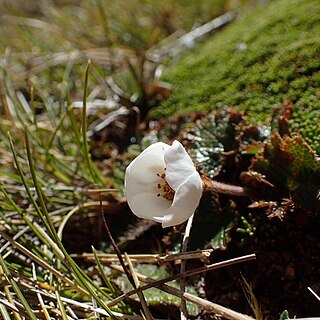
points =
(258, 63)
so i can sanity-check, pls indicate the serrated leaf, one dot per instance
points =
(212, 137)
(293, 168)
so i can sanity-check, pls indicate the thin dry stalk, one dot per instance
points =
(14, 306)
(126, 269)
(45, 265)
(76, 209)
(224, 188)
(85, 307)
(11, 301)
(41, 302)
(204, 304)
(251, 298)
(140, 294)
(49, 240)
(317, 297)
(186, 274)
(171, 48)
(106, 258)
(9, 305)
(183, 306)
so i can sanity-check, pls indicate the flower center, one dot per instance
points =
(165, 190)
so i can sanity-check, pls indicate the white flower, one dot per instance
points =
(163, 185)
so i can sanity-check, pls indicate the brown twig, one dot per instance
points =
(107, 258)
(224, 188)
(126, 269)
(185, 274)
(205, 304)
(140, 293)
(115, 246)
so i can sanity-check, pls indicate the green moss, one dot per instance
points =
(254, 65)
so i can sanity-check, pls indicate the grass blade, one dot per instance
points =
(43, 214)
(4, 312)
(61, 306)
(17, 289)
(94, 173)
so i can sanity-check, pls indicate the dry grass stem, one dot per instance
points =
(184, 247)
(45, 265)
(161, 50)
(186, 274)
(143, 301)
(39, 296)
(11, 301)
(205, 304)
(85, 307)
(13, 305)
(106, 258)
(316, 296)
(91, 204)
(128, 270)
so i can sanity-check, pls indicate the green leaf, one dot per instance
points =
(293, 168)
(158, 298)
(17, 290)
(212, 137)
(95, 175)
(284, 315)
(211, 224)
(4, 312)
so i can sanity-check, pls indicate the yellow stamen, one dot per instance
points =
(164, 189)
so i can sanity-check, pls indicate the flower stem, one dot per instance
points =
(127, 269)
(224, 188)
(184, 246)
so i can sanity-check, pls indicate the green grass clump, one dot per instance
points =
(42, 41)
(255, 65)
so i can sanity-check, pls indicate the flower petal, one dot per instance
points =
(179, 166)
(144, 168)
(185, 202)
(149, 206)
(131, 189)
